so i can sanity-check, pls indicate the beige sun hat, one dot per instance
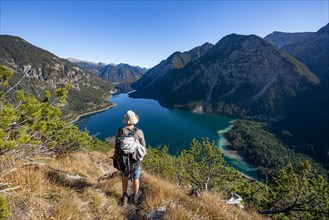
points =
(130, 118)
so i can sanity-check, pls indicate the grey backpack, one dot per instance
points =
(129, 145)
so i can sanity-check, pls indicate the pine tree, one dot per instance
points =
(203, 164)
(298, 193)
(29, 126)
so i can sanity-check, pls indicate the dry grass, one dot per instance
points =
(160, 193)
(46, 193)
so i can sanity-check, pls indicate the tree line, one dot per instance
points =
(293, 192)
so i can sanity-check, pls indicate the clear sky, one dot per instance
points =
(145, 32)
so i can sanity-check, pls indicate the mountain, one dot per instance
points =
(45, 71)
(176, 61)
(307, 116)
(281, 39)
(88, 66)
(240, 73)
(311, 48)
(122, 75)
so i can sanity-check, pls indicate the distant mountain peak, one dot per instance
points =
(324, 29)
(74, 60)
(311, 48)
(177, 60)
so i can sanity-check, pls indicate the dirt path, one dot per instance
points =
(134, 211)
(131, 211)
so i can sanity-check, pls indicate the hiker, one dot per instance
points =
(130, 119)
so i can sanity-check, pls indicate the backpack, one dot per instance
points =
(128, 151)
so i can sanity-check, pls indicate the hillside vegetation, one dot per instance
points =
(37, 70)
(292, 192)
(50, 170)
(263, 149)
(239, 75)
(121, 75)
(84, 185)
(278, 86)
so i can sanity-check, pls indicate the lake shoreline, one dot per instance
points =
(189, 125)
(228, 151)
(78, 117)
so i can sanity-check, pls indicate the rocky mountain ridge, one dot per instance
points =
(88, 66)
(175, 61)
(311, 48)
(246, 71)
(122, 75)
(37, 63)
(43, 70)
(281, 39)
(249, 77)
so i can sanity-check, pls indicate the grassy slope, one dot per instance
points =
(46, 193)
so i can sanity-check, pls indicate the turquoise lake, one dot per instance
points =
(163, 126)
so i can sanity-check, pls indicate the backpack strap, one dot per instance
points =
(133, 132)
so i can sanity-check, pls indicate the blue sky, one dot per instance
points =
(145, 32)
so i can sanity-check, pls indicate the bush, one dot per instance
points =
(3, 209)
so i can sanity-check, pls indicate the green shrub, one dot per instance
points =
(3, 209)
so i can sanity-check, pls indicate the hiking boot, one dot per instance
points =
(124, 199)
(136, 198)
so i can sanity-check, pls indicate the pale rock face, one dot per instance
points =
(54, 75)
(44, 69)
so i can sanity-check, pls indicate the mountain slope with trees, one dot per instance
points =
(293, 192)
(38, 70)
(121, 75)
(239, 75)
(311, 48)
(88, 66)
(43, 176)
(250, 78)
(307, 118)
(175, 61)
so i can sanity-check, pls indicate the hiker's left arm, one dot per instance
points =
(141, 137)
